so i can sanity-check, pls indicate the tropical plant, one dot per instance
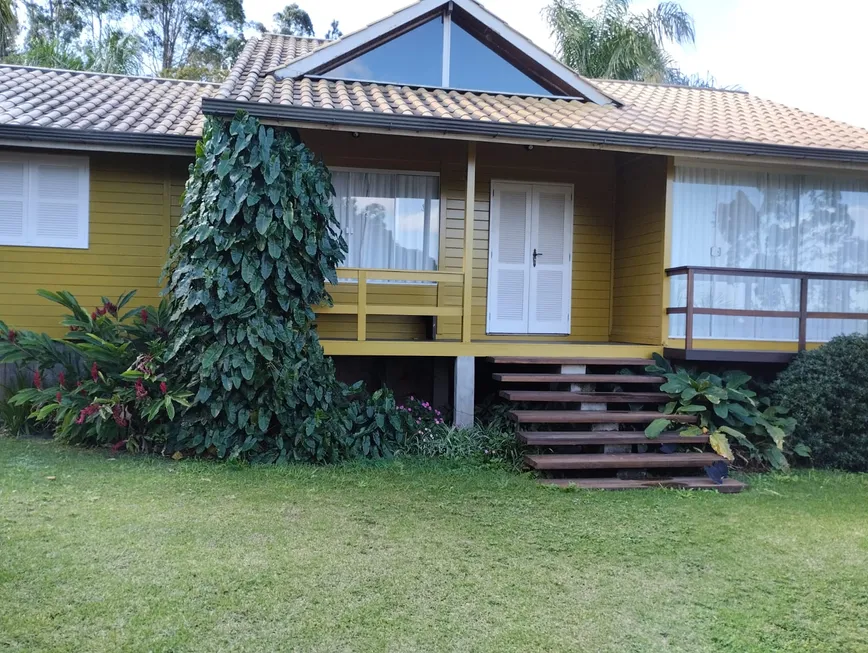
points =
(15, 417)
(103, 382)
(826, 390)
(736, 420)
(617, 43)
(257, 241)
(480, 443)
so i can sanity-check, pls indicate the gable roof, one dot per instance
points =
(653, 115)
(351, 45)
(74, 105)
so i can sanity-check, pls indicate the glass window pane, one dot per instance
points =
(414, 58)
(389, 220)
(474, 66)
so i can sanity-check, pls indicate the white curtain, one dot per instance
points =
(390, 221)
(772, 221)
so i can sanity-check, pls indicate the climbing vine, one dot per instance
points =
(257, 242)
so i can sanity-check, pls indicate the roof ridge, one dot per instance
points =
(99, 74)
(292, 36)
(669, 85)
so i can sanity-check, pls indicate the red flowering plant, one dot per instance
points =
(103, 383)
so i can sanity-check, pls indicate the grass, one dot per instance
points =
(143, 554)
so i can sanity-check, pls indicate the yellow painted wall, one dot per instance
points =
(591, 173)
(593, 177)
(638, 264)
(134, 200)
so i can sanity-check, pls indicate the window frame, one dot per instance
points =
(416, 173)
(29, 237)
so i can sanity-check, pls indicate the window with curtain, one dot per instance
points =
(389, 220)
(773, 221)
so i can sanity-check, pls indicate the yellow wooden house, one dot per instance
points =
(495, 203)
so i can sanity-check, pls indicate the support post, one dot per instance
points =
(688, 319)
(803, 313)
(469, 208)
(362, 324)
(465, 372)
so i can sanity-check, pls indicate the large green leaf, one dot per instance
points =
(720, 444)
(656, 427)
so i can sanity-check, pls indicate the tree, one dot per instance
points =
(9, 27)
(190, 38)
(616, 43)
(334, 32)
(80, 35)
(293, 21)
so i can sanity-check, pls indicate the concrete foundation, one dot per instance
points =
(465, 390)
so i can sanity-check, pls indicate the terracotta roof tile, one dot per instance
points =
(92, 101)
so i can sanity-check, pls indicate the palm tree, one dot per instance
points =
(616, 43)
(8, 27)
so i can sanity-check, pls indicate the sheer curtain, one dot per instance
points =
(772, 221)
(390, 221)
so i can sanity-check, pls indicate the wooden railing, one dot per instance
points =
(362, 309)
(803, 314)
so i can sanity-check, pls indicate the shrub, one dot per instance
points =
(15, 417)
(103, 381)
(826, 390)
(256, 243)
(726, 407)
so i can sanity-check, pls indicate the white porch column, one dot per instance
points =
(465, 371)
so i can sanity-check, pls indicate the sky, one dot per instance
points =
(803, 53)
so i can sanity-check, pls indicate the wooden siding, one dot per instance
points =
(134, 202)
(593, 177)
(638, 266)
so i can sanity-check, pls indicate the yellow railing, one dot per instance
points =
(362, 309)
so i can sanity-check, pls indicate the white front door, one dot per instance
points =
(530, 258)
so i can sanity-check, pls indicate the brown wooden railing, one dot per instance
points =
(803, 314)
(362, 309)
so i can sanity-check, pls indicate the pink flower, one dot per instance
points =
(163, 387)
(117, 446)
(61, 379)
(108, 307)
(94, 372)
(86, 412)
(141, 390)
(11, 335)
(93, 316)
(59, 397)
(37, 380)
(119, 415)
(144, 316)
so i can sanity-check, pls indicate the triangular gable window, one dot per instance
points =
(415, 58)
(473, 65)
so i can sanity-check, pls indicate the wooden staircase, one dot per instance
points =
(600, 416)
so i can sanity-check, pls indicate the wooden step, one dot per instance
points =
(534, 360)
(581, 438)
(577, 378)
(593, 417)
(589, 397)
(619, 460)
(729, 486)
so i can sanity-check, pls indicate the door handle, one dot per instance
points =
(535, 254)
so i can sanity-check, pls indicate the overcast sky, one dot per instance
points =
(803, 53)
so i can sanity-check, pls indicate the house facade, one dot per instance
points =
(495, 203)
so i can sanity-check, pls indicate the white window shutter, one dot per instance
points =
(13, 204)
(59, 202)
(509, 265)
(551, 277)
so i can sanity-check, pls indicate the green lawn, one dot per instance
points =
(142, 554)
